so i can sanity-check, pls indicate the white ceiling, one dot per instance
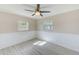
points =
(54, 8)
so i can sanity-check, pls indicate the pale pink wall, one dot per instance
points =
(8, 22)
(67, 22)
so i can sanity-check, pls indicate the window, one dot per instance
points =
(23, 25)
(48, 25)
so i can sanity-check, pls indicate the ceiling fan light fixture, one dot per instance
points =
(37, 13)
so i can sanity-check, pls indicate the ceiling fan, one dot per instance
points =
(37, 11)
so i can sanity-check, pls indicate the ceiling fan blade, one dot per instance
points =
(29, 10)
(41, 14)
(45, 11)
(33, 14)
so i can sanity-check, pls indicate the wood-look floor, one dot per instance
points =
(27, 48)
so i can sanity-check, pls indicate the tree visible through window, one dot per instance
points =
(48, 25)
(23, 25)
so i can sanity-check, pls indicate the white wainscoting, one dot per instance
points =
(70, 41)
(8, 39)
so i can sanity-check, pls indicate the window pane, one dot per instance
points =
(23, 25)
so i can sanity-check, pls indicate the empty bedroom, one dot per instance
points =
(39, 29)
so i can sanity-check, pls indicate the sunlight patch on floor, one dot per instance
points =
(40, 43)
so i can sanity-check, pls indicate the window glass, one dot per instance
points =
(48, 25)
(23, 25)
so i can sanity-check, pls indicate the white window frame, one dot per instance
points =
(22, 25)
